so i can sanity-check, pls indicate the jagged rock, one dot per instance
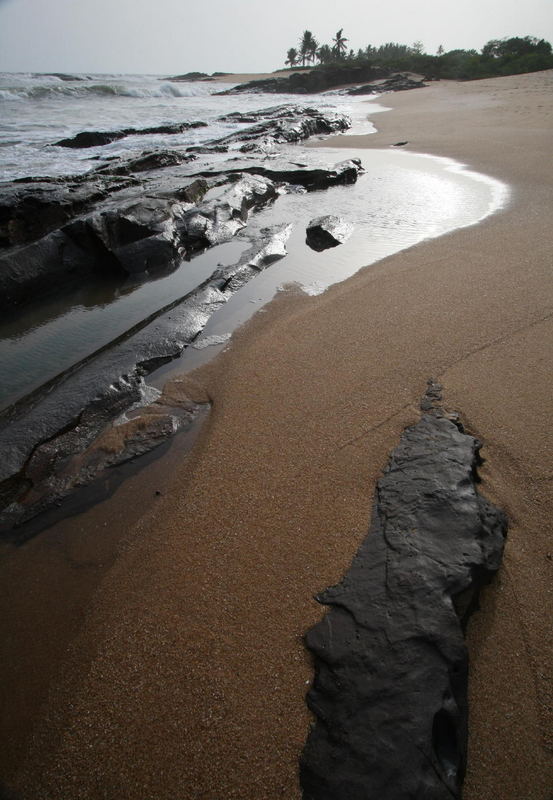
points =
(285, 111)
(31, 208)
(190, 76)
(310, 178)
(218, 220)
(396, 83)
(256, 258)
(199, 149)
(328, 231)
(316, 80)
(157, 159)
(294, 127)
(100, 138)
(50, 445)
(390, 688)
(137, 237)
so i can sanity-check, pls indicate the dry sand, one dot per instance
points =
(186, 677)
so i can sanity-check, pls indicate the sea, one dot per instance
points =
(401, 199)
(38, 110)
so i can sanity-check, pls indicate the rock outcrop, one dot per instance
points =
(286, 124)
(100, 138)
(56, 442)
(397, 83)
(390, 688)
(328, 231)
(141, 214)
(325, 77)
(135, 237)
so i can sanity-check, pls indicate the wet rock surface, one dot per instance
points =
(134, 215)
(100, 138)
(50, 440)
(132, 219)
(328, 231)
(284, 124)
(30, 208)
(390, 688)
(307, 176)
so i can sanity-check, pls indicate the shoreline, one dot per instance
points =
(278, 500)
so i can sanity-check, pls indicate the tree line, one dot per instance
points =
(506, 56)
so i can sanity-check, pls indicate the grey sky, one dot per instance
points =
(169, 36)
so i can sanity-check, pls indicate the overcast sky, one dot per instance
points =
(170, 36)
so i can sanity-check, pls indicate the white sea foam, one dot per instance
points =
(38, 110)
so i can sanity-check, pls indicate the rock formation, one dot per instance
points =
(100, 138)
(329, 231)
(390, 688)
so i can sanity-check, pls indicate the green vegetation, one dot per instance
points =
(497, 57)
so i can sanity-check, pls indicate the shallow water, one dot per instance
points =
(401, 200)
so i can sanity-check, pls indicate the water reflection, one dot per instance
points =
(401, 200)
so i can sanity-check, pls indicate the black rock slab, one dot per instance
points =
(100, 138)
(33, 207)
(390, 688)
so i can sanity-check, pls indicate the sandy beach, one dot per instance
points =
(184, 673)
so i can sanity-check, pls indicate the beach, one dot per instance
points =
(184, 675)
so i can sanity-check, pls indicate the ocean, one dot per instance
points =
(38, 110)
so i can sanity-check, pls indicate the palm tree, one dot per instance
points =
(324, 54)
(313, 50)
(292, 57)
(339, 48)
(308, 47)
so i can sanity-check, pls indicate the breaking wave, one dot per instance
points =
(80, 90)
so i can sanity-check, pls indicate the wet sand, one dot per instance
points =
(185, 678)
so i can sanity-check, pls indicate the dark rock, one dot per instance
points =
(157, 159)
(131, 238)
(327, 77)
(390, 689)
(285, 111)
(291, 125)
(316, 80)
(91, 139)
(189, 76)
(206, 149)
(329, 231)
(56, 441)
(218, 220)
(311, 178)
(146, 234)
(31, 208)
(400, 144)
(100, 138)
(396, 83)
